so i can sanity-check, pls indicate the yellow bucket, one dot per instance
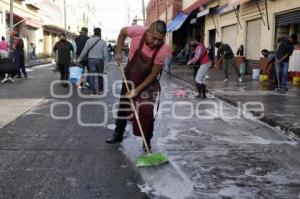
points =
(263, 78)
(296, 80)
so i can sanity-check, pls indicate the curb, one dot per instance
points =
(290, 132)
(37, 63)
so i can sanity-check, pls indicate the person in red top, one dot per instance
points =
(202, 60)
(145, 61)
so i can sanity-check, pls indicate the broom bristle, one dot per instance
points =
(151, 160)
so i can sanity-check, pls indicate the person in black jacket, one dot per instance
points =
(211, 54)
(80, 43)
(284, 51)
(19, 54)
(63, 48)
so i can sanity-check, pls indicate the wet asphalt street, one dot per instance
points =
(52, 147)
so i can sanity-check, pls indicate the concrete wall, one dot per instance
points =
(187, 3)
(174, 6)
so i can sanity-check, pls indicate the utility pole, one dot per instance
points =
(11, 24)
(143, 10)
(87, 15)
(65, 16)
(167, 6)
(128, 13)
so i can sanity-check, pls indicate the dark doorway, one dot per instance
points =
(212, 36)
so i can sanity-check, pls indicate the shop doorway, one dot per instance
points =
(212, 37)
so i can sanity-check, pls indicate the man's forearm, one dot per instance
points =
(121, 39)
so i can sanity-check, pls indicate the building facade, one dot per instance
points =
(255, 24)
(86, 15)
(26, 19)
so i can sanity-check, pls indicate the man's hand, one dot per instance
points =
(277, 61)
(118, 58)
(77, 61)
(131, 94)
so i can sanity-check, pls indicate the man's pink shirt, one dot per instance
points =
(136, 33)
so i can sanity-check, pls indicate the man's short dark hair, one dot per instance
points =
(218, 44)
(294, 37)
(84, 29)
(190, 39)
(3, 38)
(159, 26)
(97, 32)
(264, 51)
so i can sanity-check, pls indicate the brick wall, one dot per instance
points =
(157, 7)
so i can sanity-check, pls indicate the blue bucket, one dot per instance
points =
(75, 74)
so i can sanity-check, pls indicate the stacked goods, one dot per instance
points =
(263, 78)
(296, 79)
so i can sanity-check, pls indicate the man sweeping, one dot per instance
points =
(146, 56)
(201, 60)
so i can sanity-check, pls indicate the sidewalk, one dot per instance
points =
(38, 62)
(280, 110)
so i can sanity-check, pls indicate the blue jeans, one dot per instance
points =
(283, 69)
(96, 67)
(168, 64)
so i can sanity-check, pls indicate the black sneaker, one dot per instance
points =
(116, 138)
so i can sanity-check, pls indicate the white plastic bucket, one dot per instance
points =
(255, 73)
(75, 73)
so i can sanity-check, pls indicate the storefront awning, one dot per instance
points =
(33, 23)
(176, 22)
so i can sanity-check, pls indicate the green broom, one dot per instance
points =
(151, 159)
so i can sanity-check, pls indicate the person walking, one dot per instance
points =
(4, 47)
(31, 52)
(201, 60)
(110, 52)
(64, 50)
(283, 53)
(211, 54)
(19, 54)
(226, 55)
(80, 43)
(146, 57)
(96, 50)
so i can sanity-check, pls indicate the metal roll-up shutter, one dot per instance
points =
(253, 40)
(288, 18)
(229, 36)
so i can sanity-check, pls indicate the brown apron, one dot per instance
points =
(138, 68)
